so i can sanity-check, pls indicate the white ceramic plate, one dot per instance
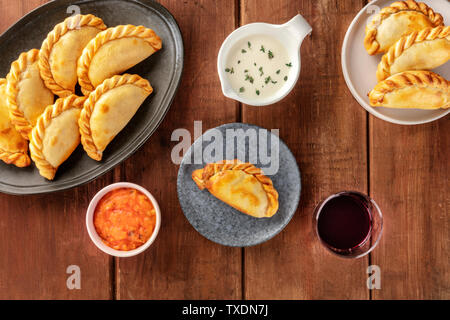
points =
(359, 67)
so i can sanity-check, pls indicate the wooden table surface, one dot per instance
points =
(337, 144)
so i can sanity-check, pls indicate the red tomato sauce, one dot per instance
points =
(125, 219)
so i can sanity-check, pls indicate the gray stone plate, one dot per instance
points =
(163, 70)
(216, 220)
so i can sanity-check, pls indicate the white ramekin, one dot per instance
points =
(93, 233)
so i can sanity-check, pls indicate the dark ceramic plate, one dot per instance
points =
(163, 70)
(218, 221)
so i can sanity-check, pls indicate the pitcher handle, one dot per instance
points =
(299, 27)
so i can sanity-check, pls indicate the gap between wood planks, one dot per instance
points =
(369, 261)
(238, 20)
(119, 175)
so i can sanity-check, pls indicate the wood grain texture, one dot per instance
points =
(410, 181)
(40, 236)
(326, 130)
(11, 11)
(181, 264)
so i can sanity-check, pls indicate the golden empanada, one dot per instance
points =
(56, 135)
(412, 89)
(108, 109)
(423, 50)
(397, 20)
(13, 147)
(240, 185)
(61, 50)
(26, 92)
(114, 51)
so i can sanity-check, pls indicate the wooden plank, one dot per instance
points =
(181, 264)
(11, 11)
(40, 236)
(326, 130)
(409, 179)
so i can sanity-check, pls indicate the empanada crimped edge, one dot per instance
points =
(370, 42)
(404, 43)
(19, 159)
(201, 177)
(405, 79)
(23, 126)
(71, 23)
(37, 137)
(89, 105)
(110, 34)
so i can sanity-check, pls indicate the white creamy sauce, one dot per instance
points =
(258, 66)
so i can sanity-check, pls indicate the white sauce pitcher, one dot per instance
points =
(289, 34)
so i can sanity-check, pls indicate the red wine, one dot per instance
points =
(344, 221)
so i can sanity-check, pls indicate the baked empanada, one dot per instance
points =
(13, 147)
(26, 92)
(423, 50)
(412, 89)
(114, 51)
(56, 135)
(397, 20)
(240, 185)
(108, 110)
(61, 50)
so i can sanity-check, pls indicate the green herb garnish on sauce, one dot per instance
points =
(243, 51)
(241, 89)
(285, 78)
(289, 64)
(278, 71)
(249, 78)
(262, 49)
(249, 44)
(257, 92)
(270, 54)
(261, 71)
(227, 69)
